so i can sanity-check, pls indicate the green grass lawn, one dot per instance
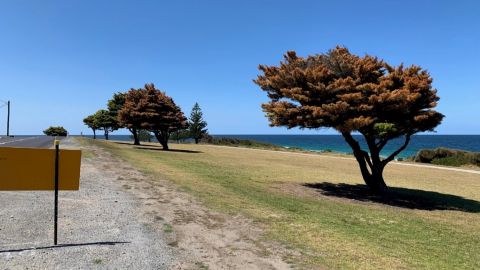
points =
(310, 203)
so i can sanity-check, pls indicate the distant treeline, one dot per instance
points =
(146, 111)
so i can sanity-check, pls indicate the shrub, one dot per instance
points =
(55, 131)
(238, 142)
(448, 157)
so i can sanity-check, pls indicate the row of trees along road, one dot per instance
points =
(352, 94)
(102, 120)
(147, 110)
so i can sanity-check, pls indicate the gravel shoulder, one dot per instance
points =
(99, 227)
(123, 219)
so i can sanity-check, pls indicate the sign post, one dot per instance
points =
(57, 150)
(65, 172)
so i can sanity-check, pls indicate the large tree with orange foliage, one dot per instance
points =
(151, 109)
(132, 114)
(164, 116)
(350, 93)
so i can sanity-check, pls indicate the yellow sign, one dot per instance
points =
(34, 169)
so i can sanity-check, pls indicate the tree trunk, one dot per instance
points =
(164, 145)
(136, 140)
(196, 140)
(94, 134)
(374, 177)
(106, 135)
(375, 180)
(162, 138)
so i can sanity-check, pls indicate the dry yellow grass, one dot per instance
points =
(331, 225)
(340, 169)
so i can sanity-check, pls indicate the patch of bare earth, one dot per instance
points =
(205, 239)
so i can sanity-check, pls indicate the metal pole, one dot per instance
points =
(8, 118)
(56, 190)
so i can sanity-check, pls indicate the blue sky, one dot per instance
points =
(62, 60)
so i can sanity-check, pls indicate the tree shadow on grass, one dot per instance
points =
(129, 143)
(142, 143)
(169, 150)
(64, 246)
(158, 148)
(399, 197)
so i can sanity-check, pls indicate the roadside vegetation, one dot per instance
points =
(317, 206)
(55, 131)
(146, 111)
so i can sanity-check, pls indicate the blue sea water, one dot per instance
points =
(337, 143)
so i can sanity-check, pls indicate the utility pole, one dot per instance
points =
(3, 104)
(8, 118)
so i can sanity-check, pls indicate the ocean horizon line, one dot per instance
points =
(250, 134)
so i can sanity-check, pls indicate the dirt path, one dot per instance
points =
(122, 219)
(204, 238)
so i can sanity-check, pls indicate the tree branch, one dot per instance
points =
(392, 156)
(351, 141)
(367, 158)
(381, 144)
(357, 150)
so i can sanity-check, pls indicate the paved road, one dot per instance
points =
(30, 142)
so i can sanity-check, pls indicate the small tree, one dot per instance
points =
(197, 126)
(133, 114)
(91, 122)
(55, 131)
(105, 122)
(350, 93)
(115, 105)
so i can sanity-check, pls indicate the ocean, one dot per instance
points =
(336, 143)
